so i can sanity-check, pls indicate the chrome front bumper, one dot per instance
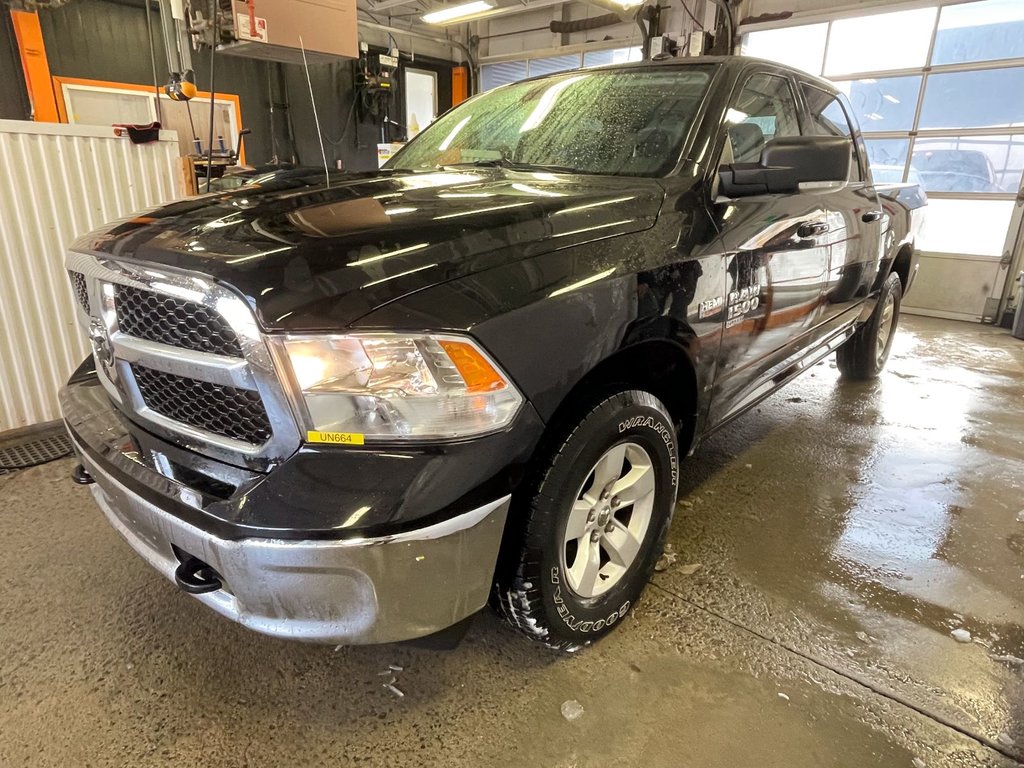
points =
(350, 591)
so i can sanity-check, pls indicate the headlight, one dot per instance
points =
(391, 386)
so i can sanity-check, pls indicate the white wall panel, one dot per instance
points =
(954, 286)
(56, 183)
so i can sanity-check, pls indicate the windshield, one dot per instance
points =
(630, 123)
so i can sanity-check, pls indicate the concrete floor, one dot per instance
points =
(841, 531)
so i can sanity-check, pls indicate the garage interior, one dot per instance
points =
(843, 582)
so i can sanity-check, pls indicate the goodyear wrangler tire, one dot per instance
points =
(591, 523)
(863, 355)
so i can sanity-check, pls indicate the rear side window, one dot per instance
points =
(765, 108)
(828, 118)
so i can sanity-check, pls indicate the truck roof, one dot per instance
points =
(734, 62)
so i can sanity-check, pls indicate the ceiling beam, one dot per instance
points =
(383, 5)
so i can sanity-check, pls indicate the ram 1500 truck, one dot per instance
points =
(350, 408)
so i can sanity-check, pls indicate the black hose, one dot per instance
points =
(213, 92)
(690, 14)
(581, 25)
(152, 61)
(645, 36)
(270, 106)
(724, 7)
(288, 123)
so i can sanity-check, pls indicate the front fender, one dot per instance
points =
(551, 320)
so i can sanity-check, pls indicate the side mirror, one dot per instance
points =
(786, 163)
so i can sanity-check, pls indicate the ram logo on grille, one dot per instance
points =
(102, 349)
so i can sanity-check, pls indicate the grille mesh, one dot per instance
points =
(226, 411)
(175, 322)
(78, 285)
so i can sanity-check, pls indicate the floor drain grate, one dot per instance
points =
(35, 451)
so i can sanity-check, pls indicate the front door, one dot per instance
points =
(776, 251)
(854, 214)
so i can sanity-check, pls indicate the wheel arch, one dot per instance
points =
(660, 366)
(901, 265)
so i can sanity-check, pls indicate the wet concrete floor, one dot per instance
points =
(842, 532)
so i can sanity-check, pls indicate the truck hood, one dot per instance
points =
(310, 254)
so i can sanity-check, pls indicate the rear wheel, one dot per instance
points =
(864, 354)
(591, 523)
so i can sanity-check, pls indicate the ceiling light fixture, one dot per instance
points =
(457, 12)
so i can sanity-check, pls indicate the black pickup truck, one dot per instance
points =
(350, 408)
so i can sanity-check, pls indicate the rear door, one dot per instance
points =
(854, 212)
(776, 252)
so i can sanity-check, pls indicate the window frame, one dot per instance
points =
(63, 86)
(719, 129)
(739, 84)
(851, 121)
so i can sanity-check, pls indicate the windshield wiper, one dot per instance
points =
(504, 162)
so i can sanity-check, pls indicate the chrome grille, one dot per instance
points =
(172, 321)
(81, 289)
(183, 356)
(226, 411)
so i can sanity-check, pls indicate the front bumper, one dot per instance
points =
(375, 586)
(349, 591)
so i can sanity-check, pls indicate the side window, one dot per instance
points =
(764, 109)
(828, 118)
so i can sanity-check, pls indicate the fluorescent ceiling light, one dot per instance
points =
(629, 3)
(457, 12)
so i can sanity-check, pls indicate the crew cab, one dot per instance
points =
(351, 408)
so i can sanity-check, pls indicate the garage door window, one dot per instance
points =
(987, 98)
(502, 73)
(505, 72)
(897, 41)
(937, 95)
(883, 104)
(802, 47)
(945, 230)
(980, 32)
(612, 56)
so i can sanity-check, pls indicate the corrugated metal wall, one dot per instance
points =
(56, 183)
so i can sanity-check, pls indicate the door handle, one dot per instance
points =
(812, 229)
(870, 216)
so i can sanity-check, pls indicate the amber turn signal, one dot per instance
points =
(478, 374)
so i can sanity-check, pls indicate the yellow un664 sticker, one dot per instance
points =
(336, 438)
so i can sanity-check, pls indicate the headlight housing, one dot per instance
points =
(384, 386)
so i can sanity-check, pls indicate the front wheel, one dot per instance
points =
(591, 523)
(863, 355)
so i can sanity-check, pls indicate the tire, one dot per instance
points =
(567, 591)
(864, 354)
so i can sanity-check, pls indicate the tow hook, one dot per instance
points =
(81, 476)
(196, 577)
